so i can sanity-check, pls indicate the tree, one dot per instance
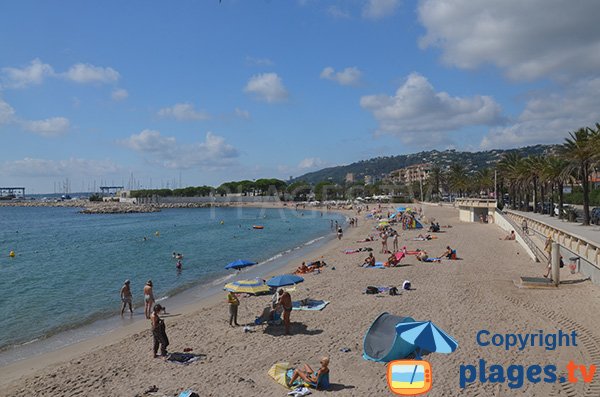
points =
(457, 178)
(579, 151)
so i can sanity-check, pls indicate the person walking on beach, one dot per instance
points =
(340, 233)
(234, 303)
(148, 298)
(126, 297)
(285, 302)
(395, 241)
(159, 332)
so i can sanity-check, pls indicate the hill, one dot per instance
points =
(379, 166)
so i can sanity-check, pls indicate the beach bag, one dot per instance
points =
(406, 285)
(372, 290)
(394, 291)
(453, 254)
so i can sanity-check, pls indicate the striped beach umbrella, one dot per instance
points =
(254, 287)
(427, 337)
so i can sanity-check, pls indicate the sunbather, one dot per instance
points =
(447, 253)
(317, 379)
(370, 238)
(424, 257)
(302, 268)
(369, 260)
(392, 260)
(511, 236)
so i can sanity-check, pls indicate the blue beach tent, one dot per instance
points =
(382, 342)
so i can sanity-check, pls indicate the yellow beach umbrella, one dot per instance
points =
(254, 287)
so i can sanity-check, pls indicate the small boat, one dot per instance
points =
(257, 227)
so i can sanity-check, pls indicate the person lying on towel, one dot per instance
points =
(424, 257)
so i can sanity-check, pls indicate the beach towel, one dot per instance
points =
(312, 304)
(188, 393)
(431, 260)
(184, 358)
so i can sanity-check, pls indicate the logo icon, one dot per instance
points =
(409, 377)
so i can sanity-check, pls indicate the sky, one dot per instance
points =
(152, 94)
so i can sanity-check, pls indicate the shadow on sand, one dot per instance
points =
(295, 329)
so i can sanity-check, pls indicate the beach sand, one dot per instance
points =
(462, 297)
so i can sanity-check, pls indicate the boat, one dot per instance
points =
(257, 227)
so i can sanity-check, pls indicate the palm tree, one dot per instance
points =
(484, 180)
(554, 171)
(579, 151)
(457, 178)
(507, 168)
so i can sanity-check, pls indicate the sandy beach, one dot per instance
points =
(462, 297)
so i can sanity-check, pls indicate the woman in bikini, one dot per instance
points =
(148, 298)
(310, 376)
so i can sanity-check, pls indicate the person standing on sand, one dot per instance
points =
(234, 303)
(148, 298)
(285, 301)
(159, 332)
(395, 241)
(340, 233)
(126, 297)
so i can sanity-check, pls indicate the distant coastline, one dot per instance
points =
(108, 207)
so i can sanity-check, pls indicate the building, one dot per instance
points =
(410, 174)
(349, 177)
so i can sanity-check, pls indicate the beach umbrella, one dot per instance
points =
(254, 287)
(427, 337)
(283, 280)
(240, 263)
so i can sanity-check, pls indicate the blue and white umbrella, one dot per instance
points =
(427, 337)
(283, 280)
(240, 263)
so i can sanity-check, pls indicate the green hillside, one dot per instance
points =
(380, 166)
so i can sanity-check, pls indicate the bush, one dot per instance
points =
(95, 197)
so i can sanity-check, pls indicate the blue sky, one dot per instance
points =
(207, 91)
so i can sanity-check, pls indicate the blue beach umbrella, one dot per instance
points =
(283, 280)
(427, 337)
(240, 263)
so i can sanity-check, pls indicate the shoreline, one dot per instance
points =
(461, 297)
(84, 338)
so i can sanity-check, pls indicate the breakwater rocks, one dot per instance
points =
(93, 207)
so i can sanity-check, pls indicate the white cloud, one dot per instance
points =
(32, 167)
(149, 141)
(119, 94)
(183, 112)
(86, 73)
(548, 117)
(52, 126)
(267, 87)
(348, 76)
(212, 153)
(241, 113)
(376, 9)
(311, 162)
(528, 39)
(416, 112)
(29, 75)
(258, 61)
(338, 13)
(7, 113)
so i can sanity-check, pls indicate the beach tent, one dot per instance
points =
(382, 343)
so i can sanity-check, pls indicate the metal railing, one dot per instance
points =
(539, 253)
(588, 251)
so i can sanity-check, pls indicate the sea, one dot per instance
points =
(69, 267)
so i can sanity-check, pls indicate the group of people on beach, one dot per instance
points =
(281, 302)
(127, 298)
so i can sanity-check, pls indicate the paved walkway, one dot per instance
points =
(590, 233)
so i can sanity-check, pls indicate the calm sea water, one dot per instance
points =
(69, 267)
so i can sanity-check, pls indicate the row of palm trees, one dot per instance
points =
(537, 178)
